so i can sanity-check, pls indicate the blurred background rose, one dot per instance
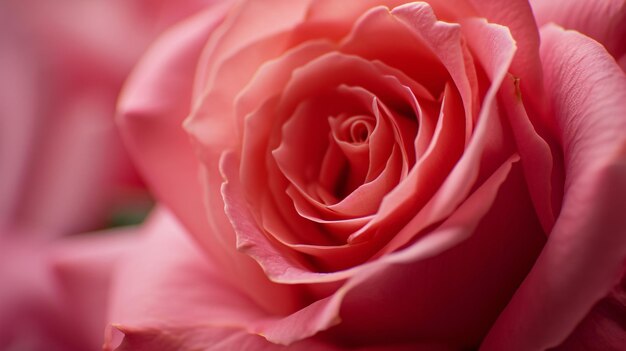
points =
(63, 167)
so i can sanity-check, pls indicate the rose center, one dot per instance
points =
(359, 132)
(355, 129)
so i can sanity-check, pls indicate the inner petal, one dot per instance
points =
(351, 135)
(306, 141)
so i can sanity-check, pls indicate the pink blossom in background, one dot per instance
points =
(63, 167)
(64, 63)
(329, 175)
(54, 294)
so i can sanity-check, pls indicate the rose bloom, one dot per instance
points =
(440, 175)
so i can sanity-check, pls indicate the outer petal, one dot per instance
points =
(206, 339)
(604, 21)
(584, 255)
(230, 58)
(227, 339)
(152, 107)
(517, 16)
(604, 328)
(535, 153)
(186, 304)
(187, 289)
(442, 288)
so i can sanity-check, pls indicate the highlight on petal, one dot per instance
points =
(231, 57)
(583, 258)
(517, 16)
(246, 25)
(347, 12)
(535, 152)
(604, 21)
(153, 104)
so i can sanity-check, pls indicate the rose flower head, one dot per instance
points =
(439, 175)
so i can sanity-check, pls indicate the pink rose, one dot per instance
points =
(437, 176)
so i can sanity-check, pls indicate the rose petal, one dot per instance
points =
(322, 314)
(257, 96)
(481, 155)
(517, 16)
(153, 106)
(154, 103)
(457, 229)
(205, 313)
(255, 181)
(232, 57)
(604, 21)
(585, 252)
(444, 39)
(603, 328)
(535, 152)
(452, 294)
(338, 11)
(424, 177)
(187, 289)
(246, 26)
(226, 339)
(348, 70)
(369, 40)
(279, 263)
(352, 204)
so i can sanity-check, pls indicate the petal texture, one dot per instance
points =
(584, 256)
(152, 106)
(186, 290)
(604, 21)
